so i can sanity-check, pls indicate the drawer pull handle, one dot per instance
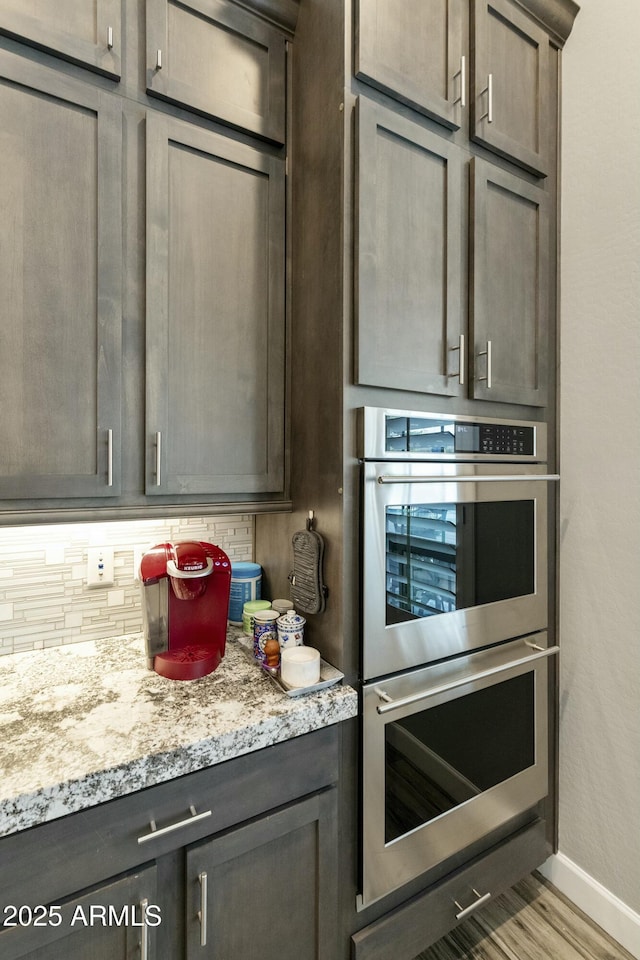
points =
(155, 833)
(202, 912)
(144, 942)
(465, 911)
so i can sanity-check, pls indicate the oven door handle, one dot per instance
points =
(406, 478)
(391, 704)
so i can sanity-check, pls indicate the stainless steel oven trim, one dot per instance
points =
(387, 866)
(371, 434)
(394, 647)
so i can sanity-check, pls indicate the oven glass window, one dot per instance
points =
(442, 557)
(444, 755)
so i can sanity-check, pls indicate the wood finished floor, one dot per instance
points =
(534, 921)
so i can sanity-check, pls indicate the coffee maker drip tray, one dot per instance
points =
(187, 663)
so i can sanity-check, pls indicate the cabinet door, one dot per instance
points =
(509, 302)
(60, 276)
(267, 891)
(83, 31)
(413, 51)
(510, 77)
(105, 924)
(411, 247)
(220, 60)
(215, 313)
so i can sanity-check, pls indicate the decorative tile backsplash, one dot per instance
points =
(44, 598)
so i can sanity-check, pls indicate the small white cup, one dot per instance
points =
(299, 666)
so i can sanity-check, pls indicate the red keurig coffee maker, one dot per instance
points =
(185, 590)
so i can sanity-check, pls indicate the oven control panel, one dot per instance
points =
(395, 434)
(492, 438)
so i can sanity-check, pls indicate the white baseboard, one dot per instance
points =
(605, 909)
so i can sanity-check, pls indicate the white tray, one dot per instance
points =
(329, 676)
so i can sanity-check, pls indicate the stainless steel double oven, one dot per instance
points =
(454, 635)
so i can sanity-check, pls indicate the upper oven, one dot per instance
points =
(455, 520)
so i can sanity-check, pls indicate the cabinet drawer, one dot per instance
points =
(428, 916)
(54, 860)
(219, 60)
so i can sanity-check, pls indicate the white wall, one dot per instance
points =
(599, 826)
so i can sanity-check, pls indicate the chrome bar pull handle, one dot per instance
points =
(435, 691)
(109, 457)
(202, 912)
(154, 833)
(158, 458)
(471, 478)
(465, 911)
(462, 73)
(487, 353)
(488, 116)
(159, 60)
(110, 38)
(144, 933)
(462, 358)
(383, 696)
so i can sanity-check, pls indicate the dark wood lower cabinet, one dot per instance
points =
(105, 924)
(254, 878)
(266, 890)
(253, 875)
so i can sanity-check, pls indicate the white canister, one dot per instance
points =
(291, 630)
(299, 666)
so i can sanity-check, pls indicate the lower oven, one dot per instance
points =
(451, 752)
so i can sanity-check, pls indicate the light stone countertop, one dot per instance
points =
(87, 722)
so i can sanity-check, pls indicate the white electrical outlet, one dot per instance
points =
(100, 567)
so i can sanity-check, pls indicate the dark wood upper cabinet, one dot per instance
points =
(422, 324)
(510, 76)
(215, 313)
(509, 286)
(495, 86)
(414, 51)
(87, 32)
(410, 255)
(215, 58)
(61, 282)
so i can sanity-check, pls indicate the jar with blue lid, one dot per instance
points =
(246, 584)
